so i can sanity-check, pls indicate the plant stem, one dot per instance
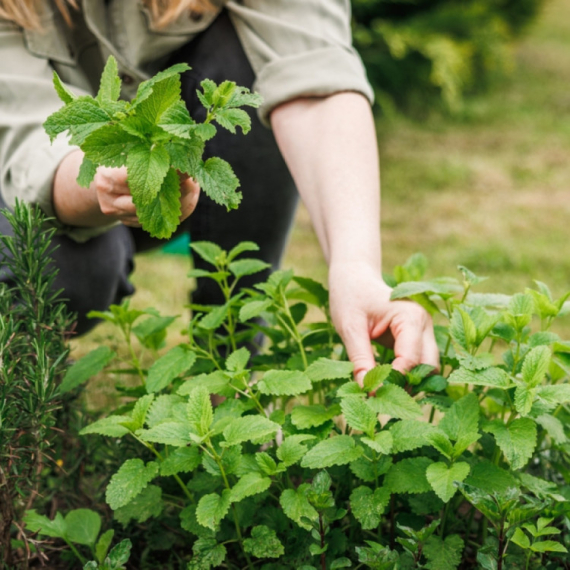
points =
(81, 558)
(322, 533)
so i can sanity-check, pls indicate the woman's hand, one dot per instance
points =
(116, 202)
(108, 199)
(361, 311)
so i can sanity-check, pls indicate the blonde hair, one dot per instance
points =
(27, 13)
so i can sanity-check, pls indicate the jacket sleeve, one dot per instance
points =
(299, 48)
(28, 161)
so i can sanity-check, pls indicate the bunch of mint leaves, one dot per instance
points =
(155, 137)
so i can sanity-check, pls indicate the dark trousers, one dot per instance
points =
(95, 274)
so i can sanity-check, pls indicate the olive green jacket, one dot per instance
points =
(296, 48)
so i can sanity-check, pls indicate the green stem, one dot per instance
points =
(81, 558)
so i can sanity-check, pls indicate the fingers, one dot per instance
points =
(414, 341)
(189, 194)
(357, 343)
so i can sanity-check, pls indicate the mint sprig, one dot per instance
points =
(155, 137)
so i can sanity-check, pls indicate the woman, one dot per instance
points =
(297, 54)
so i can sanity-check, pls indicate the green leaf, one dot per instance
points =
(521, 539)
(494, 377)
(253, 309)
(161, 216)
(145, 505)
(243, 267)
(554, 427)
(462, 329)
(250, 428)
(218, 181)
(368, 506)
(168, 433)
(110, 86)
(161, 409)
(548, 546)
(327, 369)
(129, 481)
(411, 288)
(109, 146)
(382, 442)
(263, 543)
(177, 121)
(442, 478)
(490, 478)
(284, 383)
(443, 554)
(215, 383)
(182, 460)
(147, 166)
(292, 449)
(524, 398)
(297, 507)
(441, 442)
(87, 172)
(462, 419)
(207, 553)
(408, 435)
(86, 367)
(110, 426)
(165, 93)
(103, 545)
(359, 414)
(64, 93)
(517, 440)
(338, 450)
(232, 118)
(55, 528)
(250, 484)
(554, 395)
(396, 402)
(213, 508)
(81, 117)
(199, 411)
(139, 412)
(409, 476)
(535, 366)
(305, 417)
(120, 553)
(237, 360)
(168, 367)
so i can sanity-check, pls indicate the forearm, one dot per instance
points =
(330, 147)
(73, 204)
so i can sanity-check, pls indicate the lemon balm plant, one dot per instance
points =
(300, 467)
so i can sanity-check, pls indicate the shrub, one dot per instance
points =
(421, 51)
(300, 467)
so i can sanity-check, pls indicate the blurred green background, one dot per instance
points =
(474, 134)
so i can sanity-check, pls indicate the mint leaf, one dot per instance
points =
(263, 543)
(83, 526)
(305, 417)
(186, 155)
(243, 267)
(110, 426)
(284, 383)
(443, 554)
(86, 367)
(409, 476)
(168, 433)
(144, 506)
(87, 172)
(168, 367)
(382, 442)
(494, 377)
(213, 508)
(182, 460)
(296, 505)
(232, 118)
(375, 377)
(132, 477)
(535, 366)
(462, 419)
(443, 478)
(217, 179)
(109, 146)
(110, 86)
(517, 440)
(177, 121)
(250, 428)
(368, 506)
(250, 484)
(55, 528)
(147, 166)
(396, 402)
(359, 414)
(292, 449)
(161, 216)
(410, 434)
(65, 94)
(327, 369)
(338, 450)
(165, 93)
(81, 117)
(199, 411)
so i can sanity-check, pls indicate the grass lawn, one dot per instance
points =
(489, 188)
